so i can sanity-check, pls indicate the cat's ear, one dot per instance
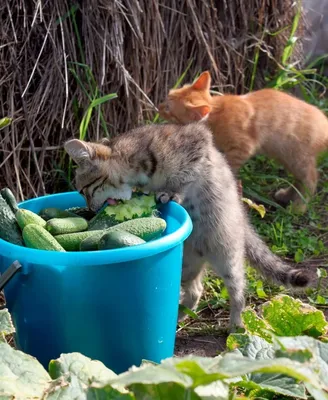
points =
(199, 112)
(81, 152)
(203, 82)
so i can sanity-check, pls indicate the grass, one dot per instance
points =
(85, 79)
(299, 239)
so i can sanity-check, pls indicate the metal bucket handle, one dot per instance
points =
(9, 273)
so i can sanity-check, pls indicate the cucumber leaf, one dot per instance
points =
(21, 375)
(256, 348)
(285, 316)
(291, 317)
(85, 369)
(6, 325)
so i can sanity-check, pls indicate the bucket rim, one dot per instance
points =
(113, 256)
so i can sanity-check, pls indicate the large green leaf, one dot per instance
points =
(151, 374)
(189, 377)
(295, 347)
(66, 389)
(256, 348)
(21, 376)
(279, 384)
(85, 369)
(316, 393)
(280, 375)
(256, 325)
(291, 346)
(291, 317)
(305, 350)
(79, 377)
(233, 365)
(6, 325)
(108, 393)
(207, 384)
(197, 373)
(71, 388)
(163, 391)
(250, 346)
(285, 316)
(216, 390)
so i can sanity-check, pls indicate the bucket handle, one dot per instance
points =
(9, 273)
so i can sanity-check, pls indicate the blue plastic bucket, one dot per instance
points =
(117, 306)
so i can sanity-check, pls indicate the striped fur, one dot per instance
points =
(181, 163)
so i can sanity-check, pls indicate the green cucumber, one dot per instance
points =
(26, 217)
(91, 242)
(37, 237)
(115, 239)
(72, 241)
(9, 197)
(147, 228)
(58, 226)
(53, 212)
(83, 212)
(9, 229)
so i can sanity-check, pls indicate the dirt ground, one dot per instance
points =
(202, 345)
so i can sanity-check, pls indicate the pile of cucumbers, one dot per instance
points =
(126, 224)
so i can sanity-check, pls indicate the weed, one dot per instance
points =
(300, 239)
(86, 81)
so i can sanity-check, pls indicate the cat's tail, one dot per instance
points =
(271, 266)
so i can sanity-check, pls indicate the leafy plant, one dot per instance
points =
(262, 362)
(87, 116)
(285, 316)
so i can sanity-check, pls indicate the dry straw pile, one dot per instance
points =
(58, 55)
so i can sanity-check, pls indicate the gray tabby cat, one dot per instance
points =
(181, 163)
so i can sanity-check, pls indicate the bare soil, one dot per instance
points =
(199, 345)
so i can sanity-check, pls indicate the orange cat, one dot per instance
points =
(266, 122)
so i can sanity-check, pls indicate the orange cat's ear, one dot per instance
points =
(203, 82)
(200, 112)
(79, 151)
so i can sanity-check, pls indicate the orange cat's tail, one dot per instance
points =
(271, 266)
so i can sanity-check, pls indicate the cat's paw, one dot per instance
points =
(165, 197)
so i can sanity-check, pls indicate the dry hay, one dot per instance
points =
(137, 48)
